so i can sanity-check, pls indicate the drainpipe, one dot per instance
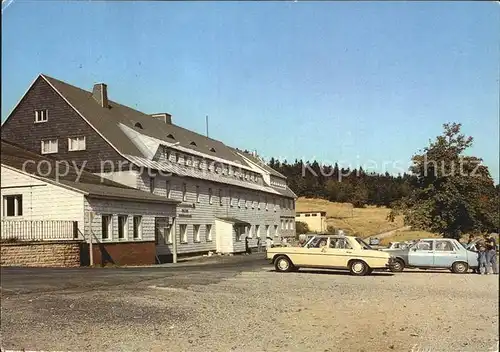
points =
(174, 244)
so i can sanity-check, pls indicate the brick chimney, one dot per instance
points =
(164, 117)
(100, 94)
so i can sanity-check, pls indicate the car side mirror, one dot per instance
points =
(414, 249)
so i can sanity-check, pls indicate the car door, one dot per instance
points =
(315, 254)
(338, 252)
(422, 254)
(445, 254)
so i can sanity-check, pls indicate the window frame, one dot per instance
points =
(123, 228)
(152, 184)
(210, 196)
(15, 204)
(71, 141)
(37, 113)
(208, 233)
(184, 192)
(50, 145)
(197, 233)
(168, 189)
(109, 227)
(137, 227)
(168, 237)
(183, 235)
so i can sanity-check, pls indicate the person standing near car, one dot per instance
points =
(269, 243)
(481, 257)
(471, 239)
(491, 253)
(247, 246)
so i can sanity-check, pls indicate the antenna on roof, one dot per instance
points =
(206, 123)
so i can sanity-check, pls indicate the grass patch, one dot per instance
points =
(362, 222)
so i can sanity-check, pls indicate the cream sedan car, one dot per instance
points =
(331, 252)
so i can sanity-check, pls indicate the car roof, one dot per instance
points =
(331, 235)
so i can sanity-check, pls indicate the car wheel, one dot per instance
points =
(283, 264)
(398, 266)
(358, 268)
(460, 267)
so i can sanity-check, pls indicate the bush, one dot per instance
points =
(301, 227)
(331, 230)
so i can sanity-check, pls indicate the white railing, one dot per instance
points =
(38, 230)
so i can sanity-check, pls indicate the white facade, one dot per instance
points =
(46, 201)
(197, 207)
(41, 200)
(147, 213)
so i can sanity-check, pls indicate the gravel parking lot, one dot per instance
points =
(241, 304)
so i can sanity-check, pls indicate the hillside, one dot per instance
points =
(360, 221)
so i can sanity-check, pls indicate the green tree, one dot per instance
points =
(453, 193)
(301, 227)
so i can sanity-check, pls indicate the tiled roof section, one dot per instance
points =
(106, 121)
(88, 183)
(182, 170)
(262, 164)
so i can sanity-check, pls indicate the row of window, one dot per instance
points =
(165, 234)
(213, 166)
(49, 146)
(123, 226)
(234, 199)
(306, 215)
(287, 224)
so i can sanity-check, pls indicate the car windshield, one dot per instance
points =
(363, 244)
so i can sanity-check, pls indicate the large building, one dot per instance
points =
(223, 194)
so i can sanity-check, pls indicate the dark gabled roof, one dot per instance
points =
(106, 121)
(92, 185)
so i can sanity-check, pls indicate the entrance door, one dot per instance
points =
(422, 254)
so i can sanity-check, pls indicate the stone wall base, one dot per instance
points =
(41, 254)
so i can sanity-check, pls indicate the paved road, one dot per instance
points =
(38, 280)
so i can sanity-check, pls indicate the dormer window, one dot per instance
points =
(212, 150)
(41, 115)
(192, 143)
(138, 125)
(171, 136)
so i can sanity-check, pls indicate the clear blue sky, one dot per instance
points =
(359, 82)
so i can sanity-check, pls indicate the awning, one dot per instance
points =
(234, 221)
